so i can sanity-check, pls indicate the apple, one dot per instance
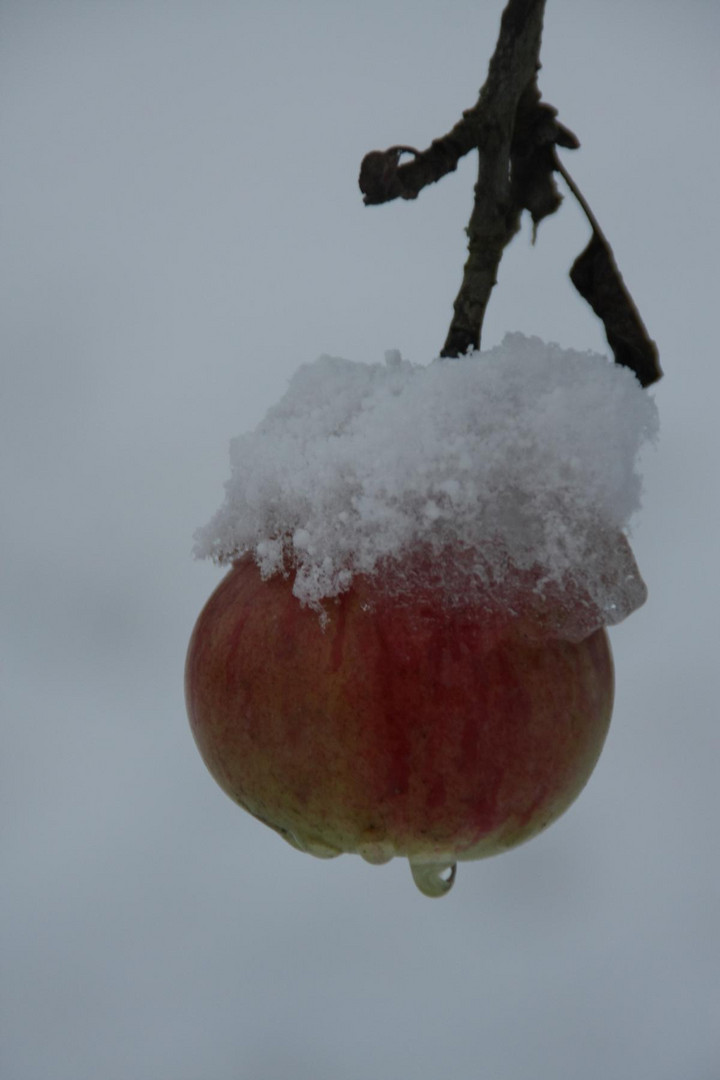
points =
(395, 726)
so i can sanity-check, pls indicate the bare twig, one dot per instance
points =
(496, 213)
(384, 178)
(516, 135)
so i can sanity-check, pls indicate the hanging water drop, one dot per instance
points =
(310, 846)
(377, 853)
(433, 879)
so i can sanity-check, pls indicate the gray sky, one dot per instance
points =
(180, 229)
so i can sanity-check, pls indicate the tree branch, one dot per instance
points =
(382, 177)
(516, 135)
(496, 213)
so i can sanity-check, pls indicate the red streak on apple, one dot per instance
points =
(400, 727)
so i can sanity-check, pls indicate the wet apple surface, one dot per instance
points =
(395, 726)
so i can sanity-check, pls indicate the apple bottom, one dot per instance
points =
(397, 727)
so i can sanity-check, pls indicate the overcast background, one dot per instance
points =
(180, 229)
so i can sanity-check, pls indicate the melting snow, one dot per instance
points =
(511, 466)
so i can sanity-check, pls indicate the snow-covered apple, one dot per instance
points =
(396, 726)
(408, 655)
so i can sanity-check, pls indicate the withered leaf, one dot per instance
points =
(379, 178)
(536, 134)
(596, 277)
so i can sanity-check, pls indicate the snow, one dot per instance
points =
(511, 475)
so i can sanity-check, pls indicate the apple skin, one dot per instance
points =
(396, 728)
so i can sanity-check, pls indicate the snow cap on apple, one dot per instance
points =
(408, 656)
(516, 464)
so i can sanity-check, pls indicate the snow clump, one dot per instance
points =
(510, 466)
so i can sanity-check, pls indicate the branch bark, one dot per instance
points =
(496, 212)
(516, 135)
(384, 178)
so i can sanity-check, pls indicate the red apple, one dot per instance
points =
(398, 727)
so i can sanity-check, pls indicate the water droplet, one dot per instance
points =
(433, 879)
(318, 848)
(376, 853)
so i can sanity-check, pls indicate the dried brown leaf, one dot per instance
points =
(596, 277)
